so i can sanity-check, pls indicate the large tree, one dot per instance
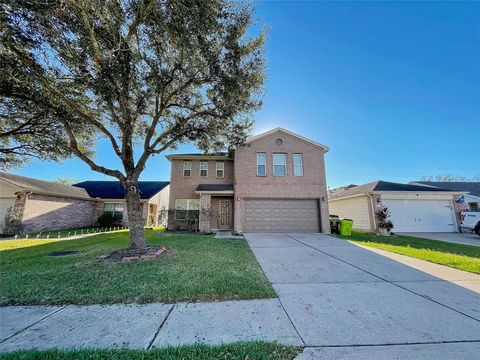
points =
(145, 75)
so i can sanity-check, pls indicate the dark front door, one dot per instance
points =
(225, 214)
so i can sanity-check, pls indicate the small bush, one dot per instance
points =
(12, 223)
(383, 218)
(105, 220)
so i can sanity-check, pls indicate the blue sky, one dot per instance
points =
(392, 88)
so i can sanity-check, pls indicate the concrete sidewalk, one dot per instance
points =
(144, 326)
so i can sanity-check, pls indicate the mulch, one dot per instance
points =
(150, 253)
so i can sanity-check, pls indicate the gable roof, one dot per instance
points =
(473, 188)
(279, 129)
(380, 186)
(44, 187)
(199, 156)
(114, 189)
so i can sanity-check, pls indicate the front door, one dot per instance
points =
(225, 214)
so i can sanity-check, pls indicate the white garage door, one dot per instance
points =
(281, 215)
(5, 204)
(421, 215)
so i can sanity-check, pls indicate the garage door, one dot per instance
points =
(281, 215)
(421, 215)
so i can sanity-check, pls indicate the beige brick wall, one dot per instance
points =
(46, 212)
(312, 185)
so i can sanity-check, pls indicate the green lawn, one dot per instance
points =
(198, 267)
(463, 257)
(240, 351)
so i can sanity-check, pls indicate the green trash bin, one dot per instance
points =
(346, 227)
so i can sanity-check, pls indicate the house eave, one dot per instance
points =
(198, 157)
(213, 192)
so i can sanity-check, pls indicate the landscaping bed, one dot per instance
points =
(194, 267)
(239, 351)
(462, 257)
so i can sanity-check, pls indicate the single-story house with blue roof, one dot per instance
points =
(45, 205)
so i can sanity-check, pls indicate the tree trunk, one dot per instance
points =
(135, 216)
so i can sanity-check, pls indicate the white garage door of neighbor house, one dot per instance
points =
(421, 215)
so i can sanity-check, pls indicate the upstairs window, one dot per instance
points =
(298, 164)
(203, 168)
(261, 164)
(220, 167)
(280, 164)
(187, 168)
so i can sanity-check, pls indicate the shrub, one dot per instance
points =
(106, 219)
(12, 223)
(383, 215)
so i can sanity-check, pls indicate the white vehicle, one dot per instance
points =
(469, 220)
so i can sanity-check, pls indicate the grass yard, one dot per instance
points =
(463, 257)
(198, 267)
(240, 351)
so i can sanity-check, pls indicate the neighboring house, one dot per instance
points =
(110, 196)
(472, 190)
(413, 208)
(43, 205)
(275, 183)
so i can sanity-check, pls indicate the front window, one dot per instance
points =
(203, 169)
(261, 164)
(220, 167)
(298, 164)
(279, 164)
(187, 168)
(186, 208)
(115, 210)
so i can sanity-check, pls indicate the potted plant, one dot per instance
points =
(384, 223)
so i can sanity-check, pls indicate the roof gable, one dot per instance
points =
(381, 186)
(285, 131)
(43, 187)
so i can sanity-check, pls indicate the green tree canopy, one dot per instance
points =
(144, 75)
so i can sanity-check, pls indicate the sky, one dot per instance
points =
(393, 89)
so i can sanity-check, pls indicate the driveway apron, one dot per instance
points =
(340, 295)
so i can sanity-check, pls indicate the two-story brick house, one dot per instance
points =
(275, 183)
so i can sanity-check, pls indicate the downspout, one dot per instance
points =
(373, 212)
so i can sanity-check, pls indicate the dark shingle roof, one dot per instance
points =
(471, 187)
(44, 187)
(379, 186)
(114, 190)
(215, 187)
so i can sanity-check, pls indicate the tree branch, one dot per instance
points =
(74, 147)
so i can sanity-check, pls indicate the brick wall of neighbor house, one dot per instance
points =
(184, 187)
(45, 212)
(312, 185)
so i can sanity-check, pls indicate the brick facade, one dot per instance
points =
(241, 170)
(47, 212)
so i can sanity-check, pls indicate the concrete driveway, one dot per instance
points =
(456, 238)
(347, 302)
